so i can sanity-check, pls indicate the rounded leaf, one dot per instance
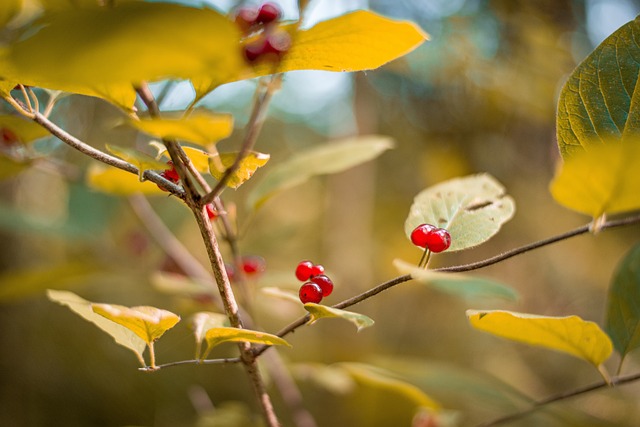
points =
(149, 323)
(318, 311)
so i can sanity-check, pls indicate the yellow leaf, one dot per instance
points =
(8, 10)
(571, 334)
(199, 158)
(201, 322)
(149, 323)
(141, 160)
(115, 181)
(25, 130)
(200, 127)
(318, 311)
(357, 41)
(216, 336)
(9, 167)
(218, 163)
(602, 179)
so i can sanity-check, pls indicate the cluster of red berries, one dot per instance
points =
(171, 174)
(431, 237)
(317, 284)
(271, 43)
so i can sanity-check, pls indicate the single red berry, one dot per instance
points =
(254, 50)
(8, 137)
(419, 234)
(310, 292)
(277, 43)
(246, 17)
(171, 174)
(253, 264)
(303, 270)
(316, 270)
(438, 240)
(325, 284)
(268, 12)
(212, 213)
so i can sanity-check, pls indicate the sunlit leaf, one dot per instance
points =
(82, 307)
(457, 284)
(600, 101)
(200, 127)
(107, 48)
(24, 130)
(199, 158)
(571, 334)
(472, 209)
(321, 160)
(601, 179)
(149, 323)
(137, 158)
(360, 40)
(201, 322)
(280, 293)
(6, 87)
(623, 307)
(216, 336)
(378, 378)
(218, 163)
(111, 180)
(9, 167)
(318, 311)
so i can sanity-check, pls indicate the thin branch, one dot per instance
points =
(559, 397)
(229, 360)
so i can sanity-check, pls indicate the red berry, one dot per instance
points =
(253, 264)
(8, 137)
(246, 17)
(171, 174)
(278, 43)
(419, 234)
(254, 50)
(303, 270)
(212, 213)
(316, 270)
(438, 240)
(325, 284)
(310, 292)
(268, 12)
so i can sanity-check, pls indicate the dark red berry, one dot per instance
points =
(171, 174)
(310, 292)
(253, 264)
(268, 12)
(254, 50)
(438, 240)
(325, 284)
(303, 270)
(246, 17)
(316, 270)
(212, 213)
(278, 43)
(419, 234)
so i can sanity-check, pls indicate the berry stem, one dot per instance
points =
(424, 260)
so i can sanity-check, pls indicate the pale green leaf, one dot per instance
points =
(82, 307)
(472, 209)
(149, 323)
(458, 284)
(280, 293)
(325, 159)
(571, 334)
(219, 163)
(179, 284)
(318, 311)
(600, 101)
(111, 180)
(200, 127)
(602, 179)
(137, 158)
(623, 305)
(216, 336)
(201, 322)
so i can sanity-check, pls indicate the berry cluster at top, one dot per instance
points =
(317, 284)
(270, 43)
(431, 237)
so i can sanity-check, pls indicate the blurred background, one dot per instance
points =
(480, 96)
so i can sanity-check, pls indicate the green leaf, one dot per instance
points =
(600, 100)
(200, 127)
(93, 51)
(216, 336)
(378, 378)
(325, 159)
(623, 304)
(149, 323)
(472, 209)
(111, 180)
(201, 322)
(457, 284)
(318, 311)
(603, 179)
(219, 163)
(120, 334)
(24, 130)
(280, 293)
(571, 334)
(137, 158)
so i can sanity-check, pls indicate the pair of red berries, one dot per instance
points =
(431, 237)
(317, 284)
(272, 43)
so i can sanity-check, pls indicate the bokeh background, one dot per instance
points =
(480, 96)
